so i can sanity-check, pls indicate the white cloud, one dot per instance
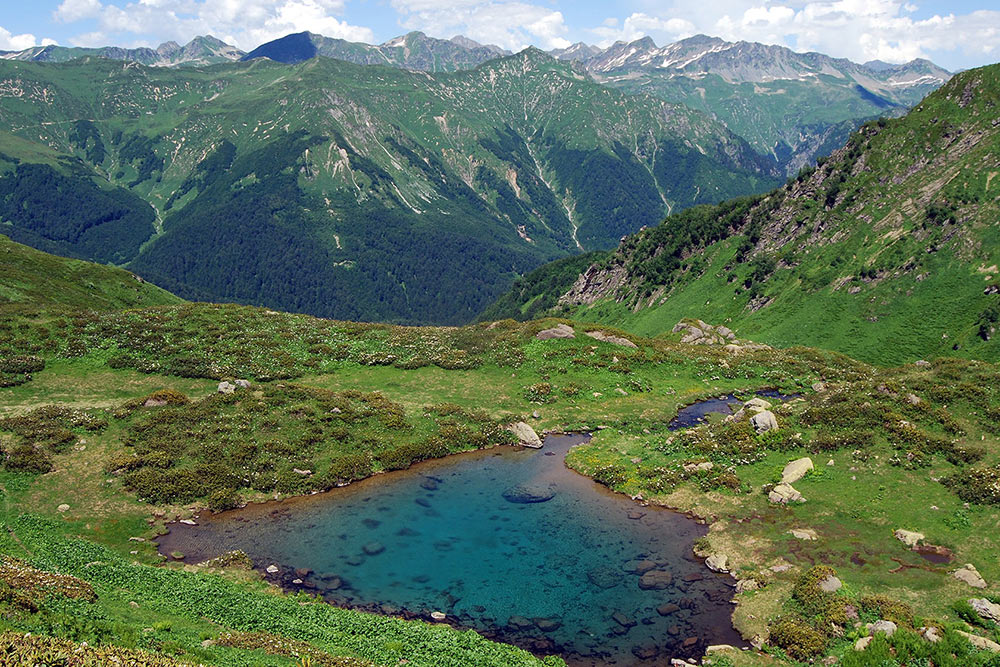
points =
(858, 29)
(11, 42)
(663, 30)
(245, 23)
(511, 24)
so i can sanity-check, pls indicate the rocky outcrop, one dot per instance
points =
(981, 642)
(988, 610)
(796, 470)
(908, 537)
(558, 331)
(698, 332)
(784, 494)
(970, 575)
(764, 421)
(595, 284)
(525, 435)
(611, 338)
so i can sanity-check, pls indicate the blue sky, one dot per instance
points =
(956, 34)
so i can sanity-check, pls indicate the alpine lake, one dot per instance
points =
(505, 541)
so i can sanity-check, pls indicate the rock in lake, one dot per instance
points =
(526, 435)
(558, 331)
(438, 616)
(373, 548)
(717, 563)
(655, 580)
(764, 421)
(970, 575)
(524, 494)
(796, 470)
(757, 405)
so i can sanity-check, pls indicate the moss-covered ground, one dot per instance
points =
(139, 436)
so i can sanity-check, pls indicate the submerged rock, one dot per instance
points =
(373, 548)
(525, 494)
(655, 580)
(525, 435)
(603, 577)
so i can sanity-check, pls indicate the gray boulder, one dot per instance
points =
(986, 609)
(796, 470)
(558, 331)
(784, 494)
(764, 421)
(609, 338)
(526, 435)
(226, 387)
(970, 575)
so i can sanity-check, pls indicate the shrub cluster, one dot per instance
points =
(976, 485)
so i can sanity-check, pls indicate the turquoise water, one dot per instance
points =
(580, 571)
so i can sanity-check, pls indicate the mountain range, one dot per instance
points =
(791, 106)
(350, 191)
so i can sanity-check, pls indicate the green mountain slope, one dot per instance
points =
(32, 279)
(887, 251)
(357, 192)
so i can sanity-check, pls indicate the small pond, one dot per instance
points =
(506, 541)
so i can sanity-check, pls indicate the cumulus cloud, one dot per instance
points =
(858, 29)
(244, 23)
(510, 24)
(639, 25)
(11, 42)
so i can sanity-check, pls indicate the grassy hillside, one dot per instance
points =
(887, 251)
(118, 389)
(342, 190)
(30, 279)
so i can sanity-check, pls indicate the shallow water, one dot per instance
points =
(694, 414)
(557, 576)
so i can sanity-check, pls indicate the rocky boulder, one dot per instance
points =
(764, 421)
(887, 627)
(981, 642)
(525, 435)
(226, 387)
(830, 584)
(986, 609)
(908, 537)
(796, 470)
(610, 338)
(558, 331)
(717, 563)
(755, 405)
(784, 494)
(970, 575)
